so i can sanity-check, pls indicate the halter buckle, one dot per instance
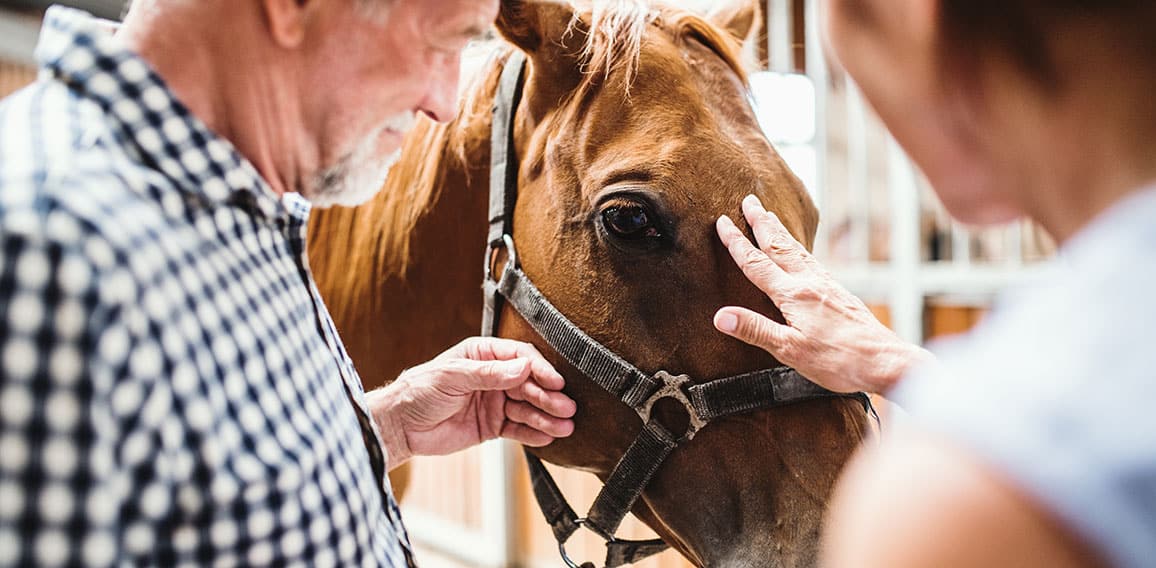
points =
(672, 387)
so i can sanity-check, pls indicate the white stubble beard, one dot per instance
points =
(358, 175)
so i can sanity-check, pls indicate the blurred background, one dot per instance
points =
(883, 234)
(104, 8)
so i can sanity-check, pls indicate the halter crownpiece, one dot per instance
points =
(640, 391)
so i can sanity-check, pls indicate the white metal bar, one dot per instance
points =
(876, 281)
(858, 175)
(1015, 244)
(817, 71)
(496, 497)
(906, 296)
(960, 245)
(781, 32)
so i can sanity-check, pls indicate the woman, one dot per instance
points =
(1032, 441)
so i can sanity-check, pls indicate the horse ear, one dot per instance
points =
(527, 23)
(739, 17)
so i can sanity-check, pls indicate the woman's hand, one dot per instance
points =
(830, 336)
(480, 389)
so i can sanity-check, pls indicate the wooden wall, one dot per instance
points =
(14, 76)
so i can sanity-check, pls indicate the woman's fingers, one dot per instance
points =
(774, 239)
(758, 330)
(755, 264)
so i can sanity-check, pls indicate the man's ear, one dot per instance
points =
(286, 20)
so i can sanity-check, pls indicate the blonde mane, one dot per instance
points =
(371, 243)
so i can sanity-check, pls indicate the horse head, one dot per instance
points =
(634, 134)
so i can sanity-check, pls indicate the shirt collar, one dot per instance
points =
(81, 51)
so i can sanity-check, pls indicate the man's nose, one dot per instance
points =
(441, 101)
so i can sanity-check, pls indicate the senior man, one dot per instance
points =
(172, 389)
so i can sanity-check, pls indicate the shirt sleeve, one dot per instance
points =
(75, 437)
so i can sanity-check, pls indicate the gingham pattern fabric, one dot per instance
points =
(172, 390)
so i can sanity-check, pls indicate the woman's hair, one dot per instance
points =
(1024, 30)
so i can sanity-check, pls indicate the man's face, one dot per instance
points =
(374, 73)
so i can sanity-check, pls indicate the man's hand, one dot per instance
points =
(480, 389)
(830, 336)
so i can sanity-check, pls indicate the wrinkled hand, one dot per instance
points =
(480, 389)
(830, 336)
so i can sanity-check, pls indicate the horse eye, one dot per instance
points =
(632, 222)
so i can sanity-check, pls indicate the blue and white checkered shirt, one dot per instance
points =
(172, 390)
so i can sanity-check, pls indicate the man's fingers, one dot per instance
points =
(499, 349)
(525, 435)
(755, 264)
(464, 376)
(545, 374)
(758, 330)
(523, 413)
(773, 237)
(551, 401)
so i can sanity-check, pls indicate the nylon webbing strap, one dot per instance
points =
(503, 166)
(629, 478)
(753, 391)
(564, 522)
(605, 368)
(559, 515)
(712, 399)
(503, 175)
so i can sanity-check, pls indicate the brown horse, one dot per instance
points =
(634, 134)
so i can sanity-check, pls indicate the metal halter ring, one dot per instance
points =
(507, 243)
(565, 557)
(672, 387)
(582, 522)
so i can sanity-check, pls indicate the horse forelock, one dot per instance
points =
(617, 29)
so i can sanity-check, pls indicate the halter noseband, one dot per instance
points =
(703, 401)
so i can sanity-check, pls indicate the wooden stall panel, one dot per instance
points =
(448, 488)
(14, 76)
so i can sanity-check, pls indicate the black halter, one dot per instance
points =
(703, 401)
